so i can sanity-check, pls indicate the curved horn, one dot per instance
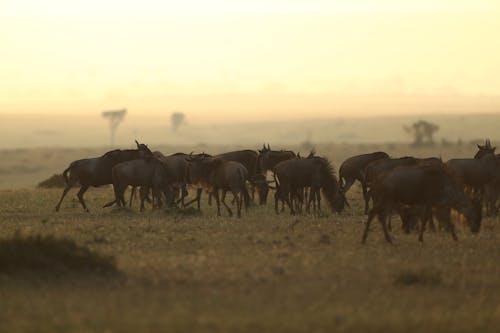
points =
(137, 143)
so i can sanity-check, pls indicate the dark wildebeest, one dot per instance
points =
(353, 169)
(97, 171)
(249, 159)
(268, 158)
(491, 190)
(196, 184)
(216, 174)
(424, 186)
(381, 166)
(149, 173)
(315, 172)
(175, 166)
(476, 173)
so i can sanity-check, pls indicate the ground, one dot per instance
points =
(263, 272)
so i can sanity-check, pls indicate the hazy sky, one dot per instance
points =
(61, 56)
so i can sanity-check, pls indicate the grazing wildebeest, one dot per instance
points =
(216, 174)
(97, 171)
(149, 173)
(315, 172)
(424, 186)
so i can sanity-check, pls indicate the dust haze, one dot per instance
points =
(328, 119)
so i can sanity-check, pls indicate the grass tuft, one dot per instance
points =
(189, 211)
(420, 277)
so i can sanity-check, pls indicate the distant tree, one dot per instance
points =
(176, 120)
(115, 117)
(422, 132)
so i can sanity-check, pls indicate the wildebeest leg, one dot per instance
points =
(424, 222)
(309, 200)
(366, 196)
(215, 193)
(238, 201)
(184, 194)
(318, 198)
(68, 187)
(277, 197)
(382, 217)
(430, 218)
(197, 199)
(223, 199)
(210, 199)
(371, 215)
(132, 195)
(83, 189)
(143, 191)
(288, 199)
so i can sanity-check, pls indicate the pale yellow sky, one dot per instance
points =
(60, 56)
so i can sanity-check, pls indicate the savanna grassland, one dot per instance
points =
(263, 272)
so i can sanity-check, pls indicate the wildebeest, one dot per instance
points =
(381, 166)
(476, 173)
(149, 173)
(268, 158)
(97, 171)
(353, 169)
(249, 159)
(492, 189)
(424, 186)
(216, 174)
(315, 172)
(175, 166)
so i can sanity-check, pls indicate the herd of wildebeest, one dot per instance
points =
(418, 189)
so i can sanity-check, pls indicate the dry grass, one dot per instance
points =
(185, 273)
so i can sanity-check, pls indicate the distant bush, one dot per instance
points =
(56, 181)
(50, 256)
(418, 277)
(189, 211)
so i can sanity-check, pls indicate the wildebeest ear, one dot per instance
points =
(268, 147)
(138, 145)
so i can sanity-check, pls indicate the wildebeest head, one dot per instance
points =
(144, 150)
(473, 216)
(199, 167)
(339, 202)
(485, 149)
(268, 158)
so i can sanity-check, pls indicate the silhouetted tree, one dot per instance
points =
(115, 117)
(176, 120)
(422, 132)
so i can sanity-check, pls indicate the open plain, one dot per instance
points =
(184, 271)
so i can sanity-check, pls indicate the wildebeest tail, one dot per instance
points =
(65, 174)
